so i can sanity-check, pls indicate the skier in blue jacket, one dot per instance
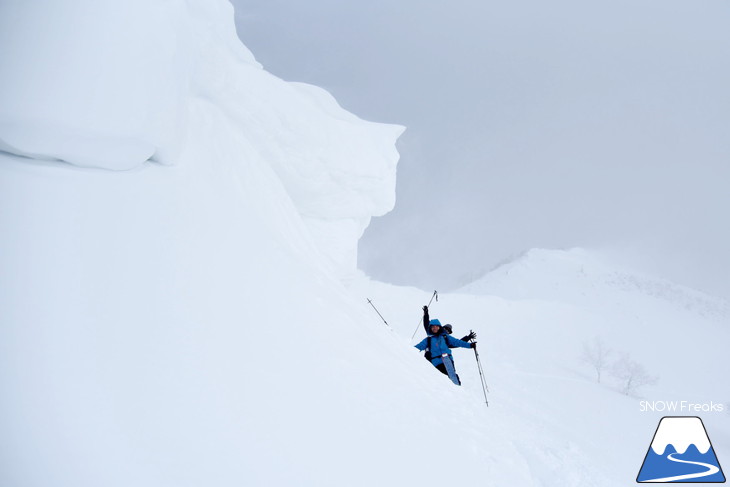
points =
(439, 342)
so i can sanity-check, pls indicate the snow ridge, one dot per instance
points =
(560, 274)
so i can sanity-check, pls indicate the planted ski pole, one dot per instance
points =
(434, 295)
(376, 310)
(485, 388)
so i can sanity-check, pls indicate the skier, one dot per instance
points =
(438, 346)
(447, 328)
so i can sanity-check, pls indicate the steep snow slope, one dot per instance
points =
(184, 324)
(532, 318)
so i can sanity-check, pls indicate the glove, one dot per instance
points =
(473, 344)
(425, 309)
(471, 336)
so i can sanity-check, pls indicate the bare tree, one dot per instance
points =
(596, 354)
(632, 374)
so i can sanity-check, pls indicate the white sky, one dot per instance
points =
(530, 124)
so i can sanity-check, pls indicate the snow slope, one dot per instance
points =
(177, 224)
(633, 313)
(532, 317)
(185, 324)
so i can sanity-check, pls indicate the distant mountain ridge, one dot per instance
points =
(579, 275)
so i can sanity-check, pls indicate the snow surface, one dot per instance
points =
(676, 332)
(560, 426)
(186, 324)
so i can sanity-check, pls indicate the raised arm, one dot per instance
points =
(426, 319)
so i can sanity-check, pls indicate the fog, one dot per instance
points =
(530, 124)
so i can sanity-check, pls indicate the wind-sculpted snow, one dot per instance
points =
(184, 323)
(94, 83)
(99, 83)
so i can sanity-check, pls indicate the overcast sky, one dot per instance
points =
(532, 123)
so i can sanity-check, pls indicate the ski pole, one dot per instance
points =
(376, 310)
(485, 388)
(481, 370)
(434, 295)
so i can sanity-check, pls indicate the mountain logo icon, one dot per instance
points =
(680, 452)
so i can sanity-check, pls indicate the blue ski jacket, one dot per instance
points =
(439, 344)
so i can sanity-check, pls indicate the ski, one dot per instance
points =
(450, 369)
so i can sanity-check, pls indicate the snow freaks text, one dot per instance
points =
(681, 407)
